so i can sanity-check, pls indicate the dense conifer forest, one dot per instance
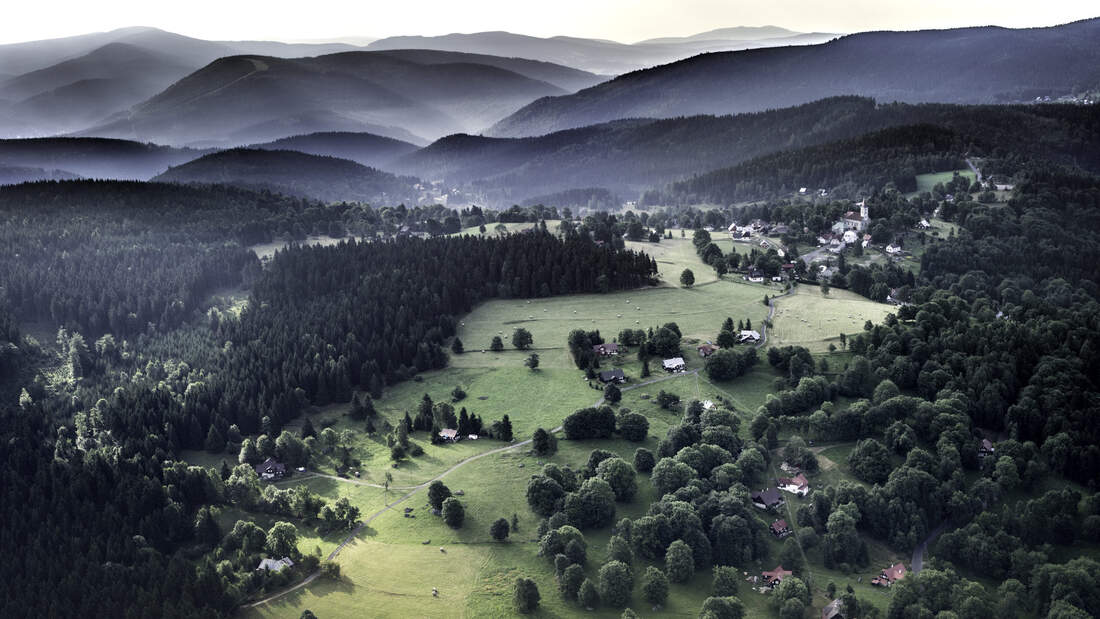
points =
(112, 522)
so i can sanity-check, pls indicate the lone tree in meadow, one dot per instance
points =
(499, 529)
(453, 513)
(497, 344)
(526, 595)
(543, 442)
(521, 338)
(532, 362)
(456, 346)
(687, 278)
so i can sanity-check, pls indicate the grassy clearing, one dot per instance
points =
(491, 229)
(390, 570)
(808, 318)
(925, 182)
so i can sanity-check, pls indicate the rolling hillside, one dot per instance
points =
(626, 157)
(363, 148)
(233, 94)
(293, 173)
(967, 65)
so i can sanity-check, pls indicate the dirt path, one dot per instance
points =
(918, 553)
(413, 489)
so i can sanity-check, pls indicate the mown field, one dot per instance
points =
(925, 182)
(390, 568)
(808, 318)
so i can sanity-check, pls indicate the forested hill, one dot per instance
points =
(94, 157)
(371, 150)
(1006, 136)
(93, 479)
(629, 156)
(296, 174)
(967, 65)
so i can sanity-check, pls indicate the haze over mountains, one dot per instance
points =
(966, 65)
(603, 56)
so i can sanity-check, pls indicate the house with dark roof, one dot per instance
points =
(271, 469)
(776, 576)
(612, 376)
(768, 498)
(707, 349)
(606, 350)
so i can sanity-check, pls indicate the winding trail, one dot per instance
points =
(413, 489)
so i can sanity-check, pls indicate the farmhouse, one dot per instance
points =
(748, 336)
(767, 499)
(893, 250)
(776, 576)
(612, 376)
(707, 349)
(675, 364)
(890, 575)
(448, 434)
(606, 350)
(271, 469)
(833, 610)
(780, 529)
(798, 484)
(273, 565)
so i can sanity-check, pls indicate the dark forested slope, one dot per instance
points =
(296, 174)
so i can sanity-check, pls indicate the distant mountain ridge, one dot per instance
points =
(598, 55)
(426, 98)
(363, 148)
(99, 158)
(967, 65)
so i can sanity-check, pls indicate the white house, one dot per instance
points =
(748, 335)
(275, 565)
(676, 364)
(893, 250)
(850, 236)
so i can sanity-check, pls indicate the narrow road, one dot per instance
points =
(413, 489)
(918, 552)
(973, 168)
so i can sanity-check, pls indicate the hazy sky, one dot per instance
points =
(622, 20)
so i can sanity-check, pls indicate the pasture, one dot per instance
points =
(390, 568)
(925, 182)
(808, 318)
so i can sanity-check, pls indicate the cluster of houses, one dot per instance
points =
(770, 498)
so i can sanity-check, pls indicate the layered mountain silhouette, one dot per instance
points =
(364, 148)
(602, 56)
(296, 174)
(251, 98)
(625, 157)
(61, 85)
(966, 65)
(94, 157)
